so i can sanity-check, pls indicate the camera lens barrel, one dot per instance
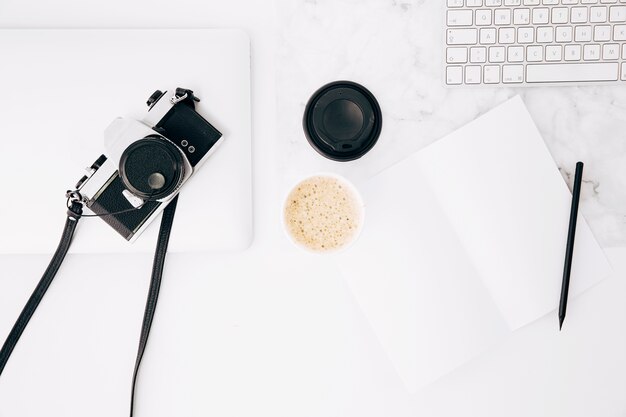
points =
(152, 168)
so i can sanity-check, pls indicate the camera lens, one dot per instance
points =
(151, 168)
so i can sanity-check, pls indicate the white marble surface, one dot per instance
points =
(395, 47)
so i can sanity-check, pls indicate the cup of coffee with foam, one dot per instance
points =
(323, 213)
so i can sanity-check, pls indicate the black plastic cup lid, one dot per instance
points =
(342, 121)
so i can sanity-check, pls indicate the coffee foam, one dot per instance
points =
(323, 213)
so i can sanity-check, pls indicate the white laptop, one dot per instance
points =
(62, 88)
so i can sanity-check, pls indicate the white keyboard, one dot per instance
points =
(532, 42)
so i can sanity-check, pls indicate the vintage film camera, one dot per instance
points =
(147, 162)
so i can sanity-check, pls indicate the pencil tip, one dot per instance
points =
(561, 323)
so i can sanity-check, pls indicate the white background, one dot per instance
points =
(272, 331)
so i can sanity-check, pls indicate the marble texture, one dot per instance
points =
(395, 48)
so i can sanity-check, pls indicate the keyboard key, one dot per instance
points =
(560, 15)
(591, 52)
(502, 16)
(506, 36)
(497, 54)
(545, 34)
(554, 53)
(456, 55)
(579, 15)
(521, 16)
(610, 51)
(541, 16)
(472, 74)
(564, 34)
(483, 17)
(572, 72)
(487, 36)
(454, 75)
(573, 52)
(602, 33)
(582, 34)
(462, 36)
(617, 14)
(460, 17)
(534, 53)
(515, 54)
(512, 74)
(478, 54)
(526, 35)
(598, 14)
(619, 33)
(491, 74)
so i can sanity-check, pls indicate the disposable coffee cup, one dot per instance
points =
(323, 213)
(342, 121)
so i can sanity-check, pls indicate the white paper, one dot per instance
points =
(416, 284)
(462, 244)
(508, 203)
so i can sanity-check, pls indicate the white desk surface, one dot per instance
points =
(275, 332)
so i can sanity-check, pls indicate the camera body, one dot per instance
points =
(147, 162)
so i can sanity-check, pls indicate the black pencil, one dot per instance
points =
(569, 252)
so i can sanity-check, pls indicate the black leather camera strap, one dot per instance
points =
(73, 215)
(153, 293)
